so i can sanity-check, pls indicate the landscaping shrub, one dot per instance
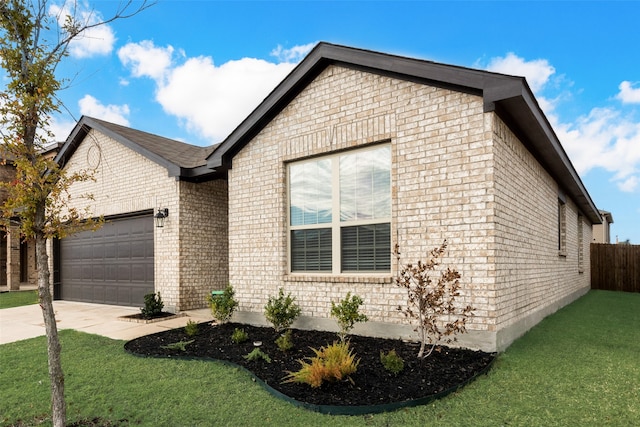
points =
(191, 328)
(223, 306)
(153, 306)
(281, 311)
(392, 362)
(432, 301)
(257, 355)
(347, 314)
(239, 336)
(284, 341)
(180, 345)
(332, 363)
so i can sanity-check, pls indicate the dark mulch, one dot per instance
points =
(371, 384)
(140, 316)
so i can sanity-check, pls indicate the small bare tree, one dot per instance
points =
(431, 299)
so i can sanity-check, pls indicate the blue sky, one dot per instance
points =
(192, 70)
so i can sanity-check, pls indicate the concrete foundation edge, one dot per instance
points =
(489, 341)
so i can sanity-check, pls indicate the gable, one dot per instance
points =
(343, 107)
(508, 96)
(114, 166)
(181, 160)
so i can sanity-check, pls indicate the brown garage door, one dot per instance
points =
(113, 265)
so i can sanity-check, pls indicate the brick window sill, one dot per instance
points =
(382, 279)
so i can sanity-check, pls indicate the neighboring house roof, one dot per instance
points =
(184, 161)
(607, 216)
(508, 96)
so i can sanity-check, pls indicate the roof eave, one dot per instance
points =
(518, 107)
(509, 96)
(199, 174)
(271, 105)
(325, 54)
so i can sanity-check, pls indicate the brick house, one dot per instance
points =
(136, 174)
(602, 232)
(17, 255)
(354, 152)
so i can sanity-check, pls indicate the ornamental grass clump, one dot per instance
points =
(223, 306)
(347, 314)
(332, 363)
(281, 311)
(431, 300)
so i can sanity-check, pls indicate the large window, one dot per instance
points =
(340, 212)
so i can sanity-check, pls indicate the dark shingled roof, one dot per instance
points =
(182, 160)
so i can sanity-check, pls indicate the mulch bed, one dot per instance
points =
(444, 369)
(159, 317)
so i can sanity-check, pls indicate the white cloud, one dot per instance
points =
(628, 94)
(90, 106)
(629, 185)
(604, 138)
(214, 100)
(294, 54)
(210, 99)
(61, 128)
(91, 42)
(146, 60)
(537, 72)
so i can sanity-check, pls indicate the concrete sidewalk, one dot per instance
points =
(24, 322)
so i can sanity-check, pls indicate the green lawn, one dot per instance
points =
(579, 367)
(18, 298)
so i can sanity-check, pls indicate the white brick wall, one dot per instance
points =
(453, 178)
(203, 250)
(530, 272)
(191, 249)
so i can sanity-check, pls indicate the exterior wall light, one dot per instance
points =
(160, 217)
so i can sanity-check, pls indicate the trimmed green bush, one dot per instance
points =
(191, 328)
(281, 311)
(284, 341)
(347, 314)
(223, 306)
(153, 306)
(392, 362)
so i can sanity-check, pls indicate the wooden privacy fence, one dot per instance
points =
(615, 267)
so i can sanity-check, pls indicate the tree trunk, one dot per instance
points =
(423, 335)
(58, 406)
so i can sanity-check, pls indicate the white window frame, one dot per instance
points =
(580, 244)
(562, 225)
(336, 224)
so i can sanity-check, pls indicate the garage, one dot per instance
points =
(113, 265)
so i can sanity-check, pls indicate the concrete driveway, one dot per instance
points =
(25, 322)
